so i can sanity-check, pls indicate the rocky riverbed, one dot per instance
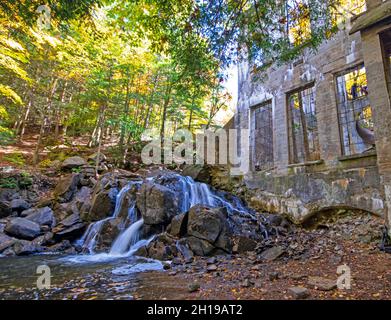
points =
(159, 234)
(305, 269)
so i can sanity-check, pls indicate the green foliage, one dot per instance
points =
(7, 136)
(25, 180)
(127, 67)
(76, 170)
(15, 158)
(45, 163)
(264, 31)
(8, 183)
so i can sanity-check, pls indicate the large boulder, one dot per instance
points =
(23, 247)
(19, 205)
(81, 204)
(71, 233)
(211, 225)
(73, 162)
(83, 200)
(60, 247)
(6, 242)
(184, 250)
(110, 230)
(5, 209)
(66, 187)
(70, 228)
(70, 221)
(178, 225)
(42, 216)
(201, 173)
(44, 240)
(244, 244)
(102, 205)
(203, 231)
(157, 204)
(94, 157)
(200, 247)
(162, 248)
(127, 201)
(22, 228)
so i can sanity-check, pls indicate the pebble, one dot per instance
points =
(166, 266)
(274, 276)
(298, 292)
(298, 277)
(246, 283)
(211, 261)
(176, 261)
(257, 267)
(322, 284)
(193, 287)
(272, 253)
(211, 268)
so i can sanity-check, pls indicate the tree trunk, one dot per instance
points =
(96, 133)
(58, 113)
(43, 121)
(126, 111)
(150, 104)
(102, 126)
(191, 113)
(20, 129)
(164, 115)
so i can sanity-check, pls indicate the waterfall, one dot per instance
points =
(195, 193)
(200, 193)
(89, 238)
(128, 241)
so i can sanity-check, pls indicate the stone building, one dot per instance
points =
(312, 124)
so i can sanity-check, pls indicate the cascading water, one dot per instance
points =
(88, 240)
(191, 193)
(195, 193)
(127, 238)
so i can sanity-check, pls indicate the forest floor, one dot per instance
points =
(371, 279)
(245, 277)
(24, 150)
(20, 153)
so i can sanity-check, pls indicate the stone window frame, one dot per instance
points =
(291, 157)
(345, 71)
(269, 103)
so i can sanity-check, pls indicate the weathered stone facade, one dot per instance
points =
(331, 177)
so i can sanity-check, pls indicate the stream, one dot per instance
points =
(116, 273)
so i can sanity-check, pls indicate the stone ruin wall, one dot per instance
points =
(336, 181)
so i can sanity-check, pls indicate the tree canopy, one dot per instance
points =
(109, 69)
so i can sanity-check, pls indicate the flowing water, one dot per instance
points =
(119, 261)
(88, 240)
(127, 239)
(192, 193)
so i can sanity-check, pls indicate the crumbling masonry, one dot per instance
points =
(313, 124)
